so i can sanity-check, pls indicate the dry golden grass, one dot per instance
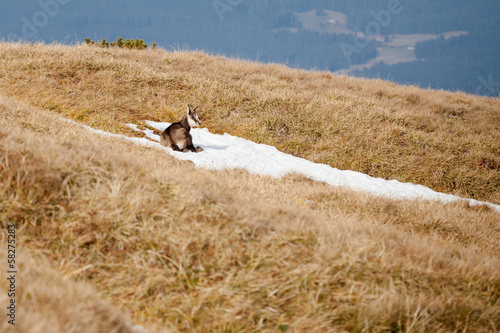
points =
(186, 249)
(50, 303)
(447, 141)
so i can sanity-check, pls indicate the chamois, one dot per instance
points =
(177, 136)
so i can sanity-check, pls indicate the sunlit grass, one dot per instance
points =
(447, 141)
(186, 249)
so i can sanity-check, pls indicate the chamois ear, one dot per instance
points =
(189, 109)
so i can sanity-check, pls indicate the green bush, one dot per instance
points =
(137, 44)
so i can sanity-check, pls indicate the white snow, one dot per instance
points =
(231, 152)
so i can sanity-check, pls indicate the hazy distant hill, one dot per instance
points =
(310, 34)
(468, 63)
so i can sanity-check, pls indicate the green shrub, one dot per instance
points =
(129, 43)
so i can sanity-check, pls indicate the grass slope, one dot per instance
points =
(186, 249)
(447, 141)
(46, 302)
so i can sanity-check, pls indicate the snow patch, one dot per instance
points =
(231, 152)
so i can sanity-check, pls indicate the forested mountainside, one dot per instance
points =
(305, 34)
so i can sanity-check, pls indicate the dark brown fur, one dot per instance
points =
(177, 135)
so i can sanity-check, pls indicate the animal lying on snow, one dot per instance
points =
(177, 137)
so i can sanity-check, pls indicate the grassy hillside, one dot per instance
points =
(447, 141)
(47, 302)
(185, 249)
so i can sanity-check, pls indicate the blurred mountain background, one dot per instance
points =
(452, 45)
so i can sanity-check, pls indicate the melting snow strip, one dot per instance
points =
(231, 152)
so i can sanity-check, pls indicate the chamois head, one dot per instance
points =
(192, 117)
